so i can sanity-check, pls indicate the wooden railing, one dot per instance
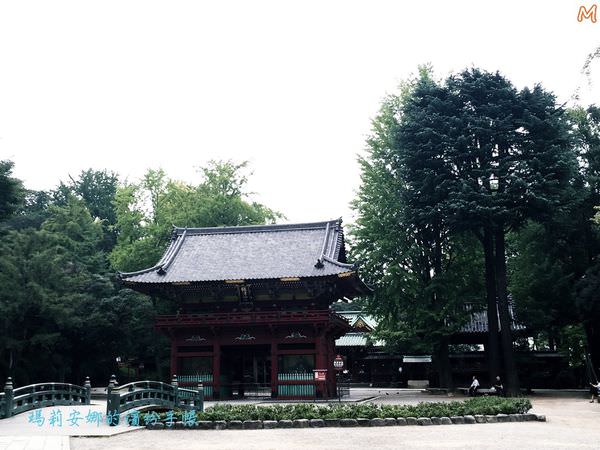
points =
(33, 396)
(155, 393)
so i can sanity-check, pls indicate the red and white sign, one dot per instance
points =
(320, 374)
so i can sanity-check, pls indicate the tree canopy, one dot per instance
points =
(146, 211)
(60, 299)
(469, 154)
(419, 269)
(12, 192)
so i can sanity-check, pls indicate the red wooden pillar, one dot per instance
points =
(216, 370)
(331, 372)
(321, 363)
(274, 367)
(174, 356)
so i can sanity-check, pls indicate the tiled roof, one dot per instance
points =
(477, 324)
(356, 340)
(479, 321)
(352, 340)
(250, 252)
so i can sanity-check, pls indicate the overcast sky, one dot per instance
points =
(290, 86)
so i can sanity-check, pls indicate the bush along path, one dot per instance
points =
(224, 416)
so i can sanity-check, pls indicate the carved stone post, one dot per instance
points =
(88, 390)
(113, 401)
(8, 398)
(199, 399)
(112, 383)
(175, 385)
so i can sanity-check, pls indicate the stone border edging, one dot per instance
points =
(320, 423)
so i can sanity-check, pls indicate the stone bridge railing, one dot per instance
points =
(119, 398)
(155, 393)
(33, 396)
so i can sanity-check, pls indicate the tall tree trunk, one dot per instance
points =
(553, 338)
(510, 366)
(493, 346)
(159, 369)
(442, 355)
(592, 332)
(442, 364)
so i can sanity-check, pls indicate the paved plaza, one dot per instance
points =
(572, 422)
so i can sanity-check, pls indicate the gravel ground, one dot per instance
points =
(572, 422)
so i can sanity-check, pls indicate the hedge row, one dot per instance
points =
(470, 407)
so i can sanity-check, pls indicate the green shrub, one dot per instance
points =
(472, 406)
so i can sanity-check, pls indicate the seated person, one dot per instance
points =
(498, 387)
(473, 388)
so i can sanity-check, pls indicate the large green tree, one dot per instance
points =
(33, 211)
(11, 190)
(146, 211)
(97, 189)
(64, 314)
(587, 300)
(60, 302)
(475, 155)
(419, 270)
(513, 162)
(554, 263)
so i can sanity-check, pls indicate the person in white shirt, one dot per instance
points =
(474, 386)
(595, 391)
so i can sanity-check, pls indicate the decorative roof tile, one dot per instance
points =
(355, 318)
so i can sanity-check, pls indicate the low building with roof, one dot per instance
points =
(368, 361)
(253, 306)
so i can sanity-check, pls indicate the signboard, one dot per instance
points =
(417, 359)
(320, 374)
(338, 363)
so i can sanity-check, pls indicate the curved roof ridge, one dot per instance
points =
(339, 264)
(170, 249)
(331, 242)
(319, 263)
(256, 228)
(164, 262)
(171, 257)
(340, 241)
(158, 265)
